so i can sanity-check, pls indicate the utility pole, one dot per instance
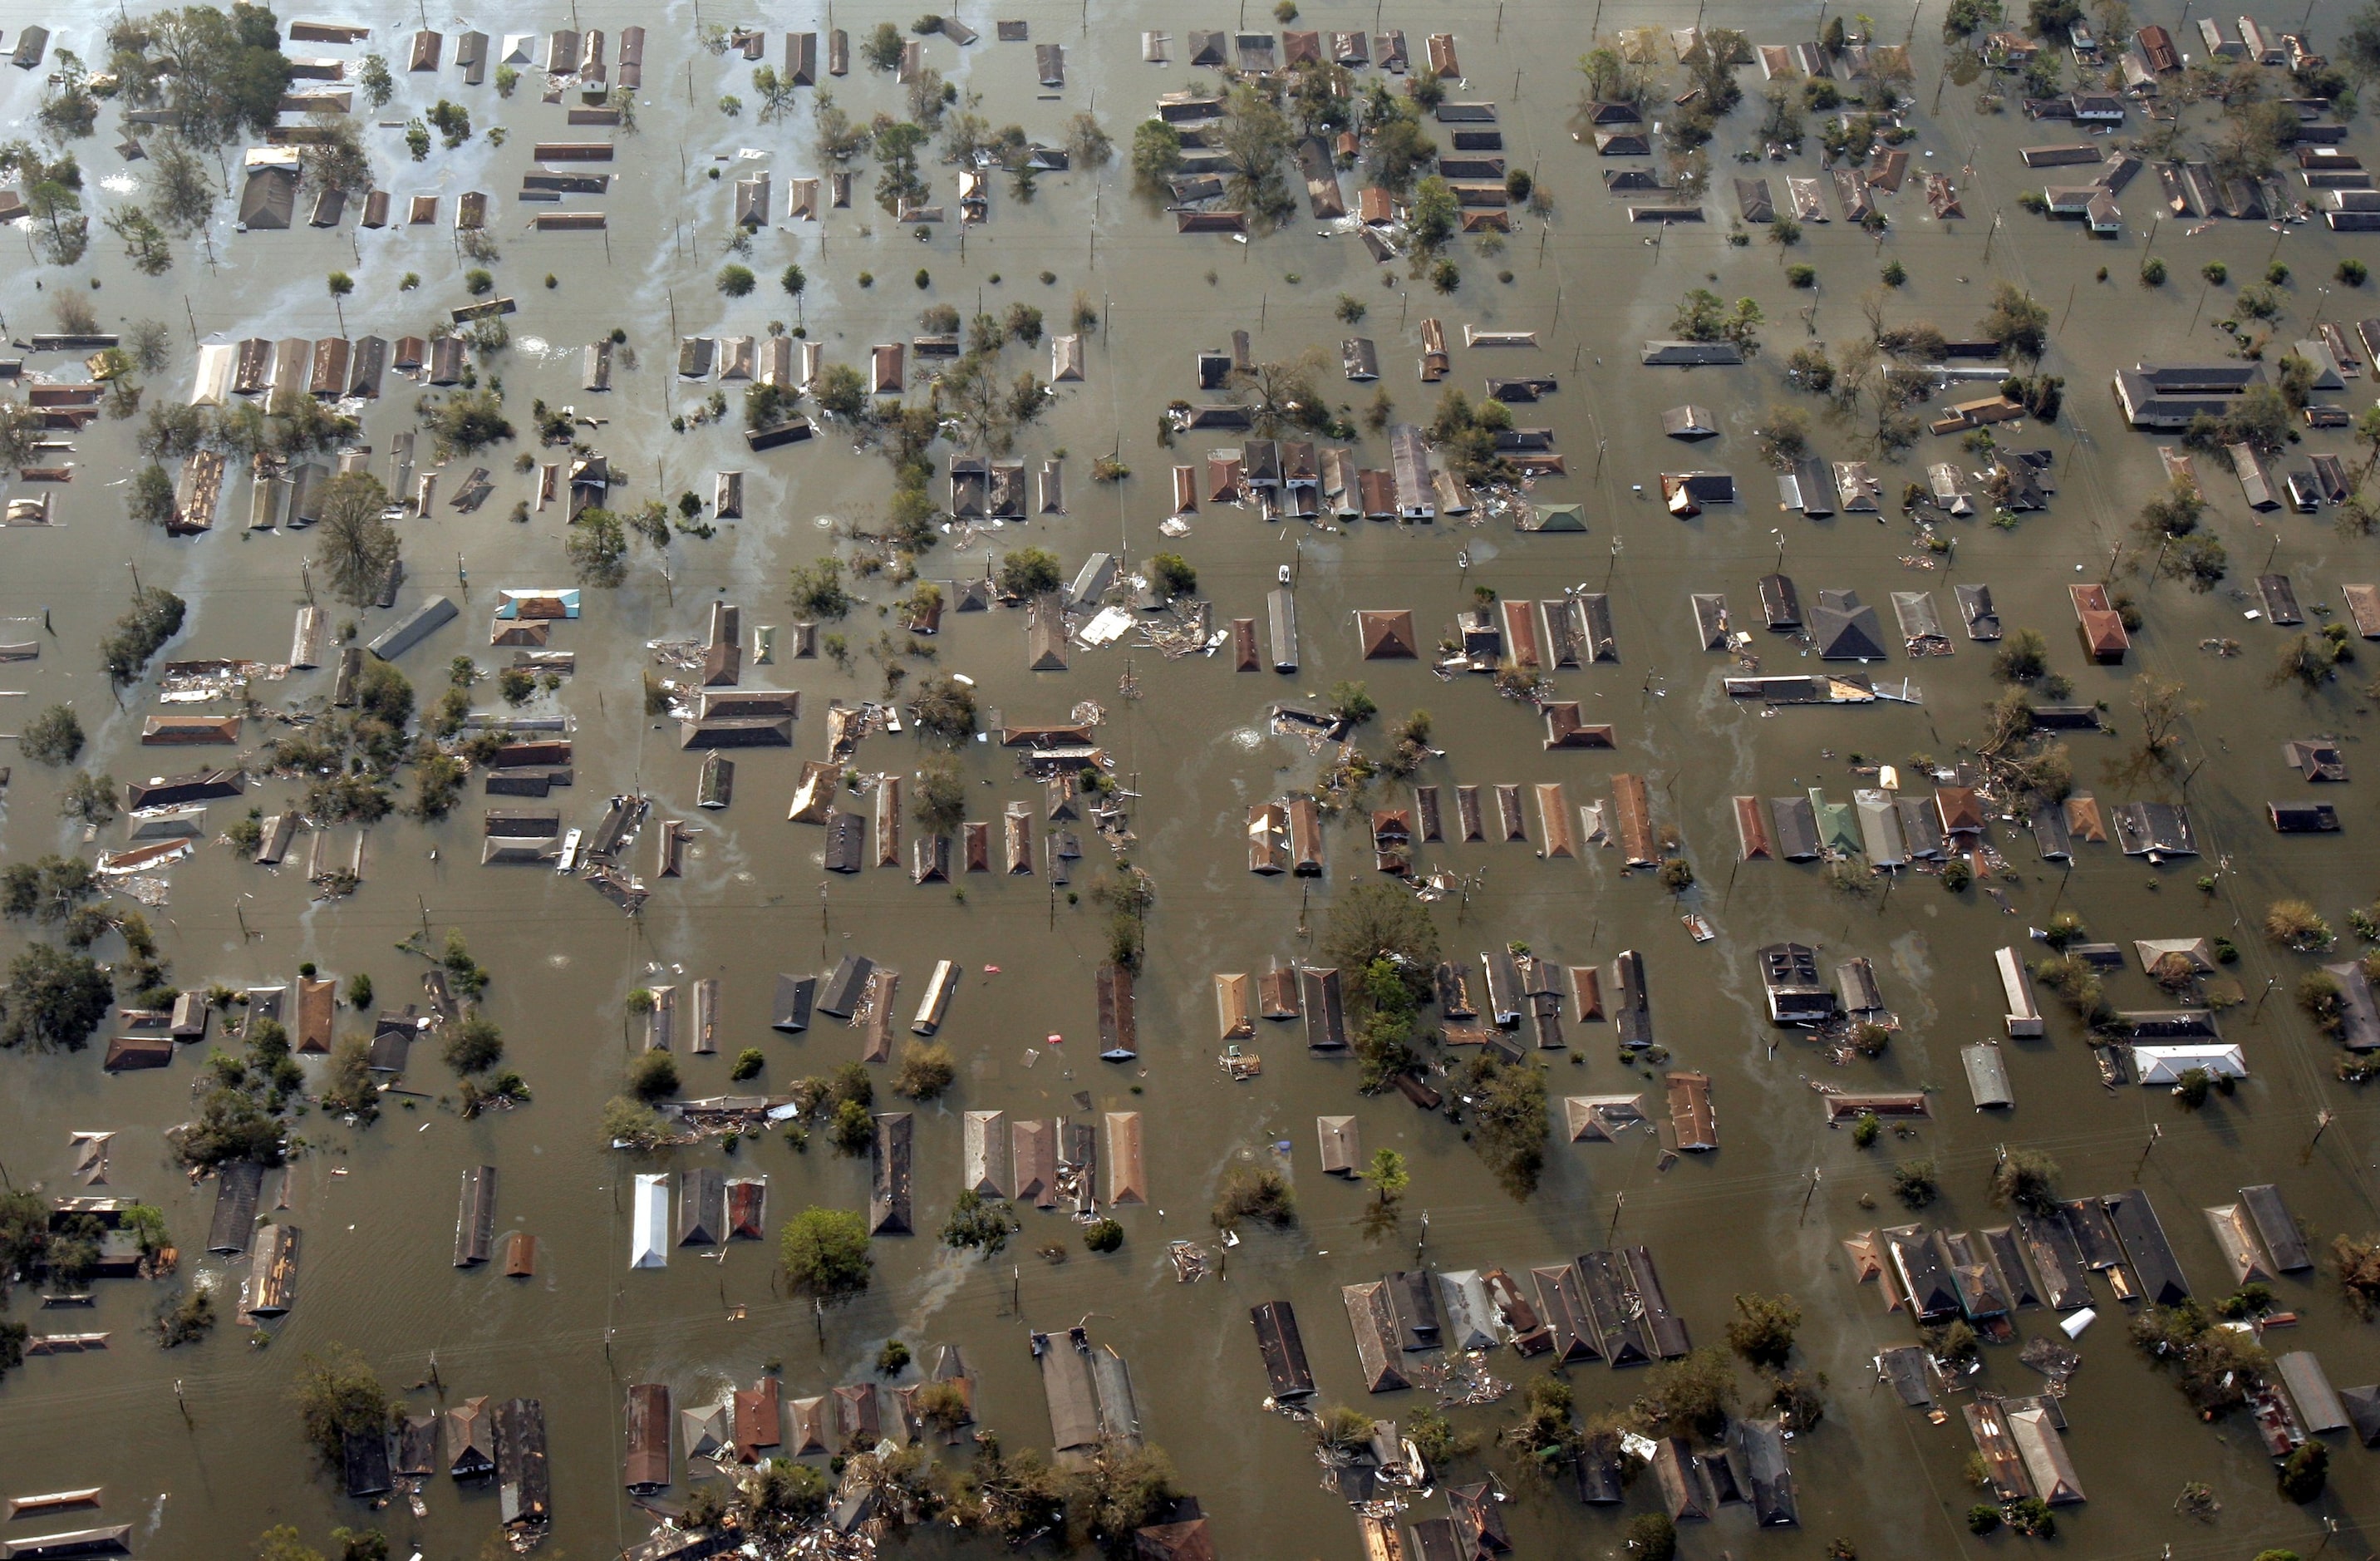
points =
(2156, 1133)
(1618, 1201)
(1813, 1192)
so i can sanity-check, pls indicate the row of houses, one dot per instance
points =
(751, 1426)
(469, 1442)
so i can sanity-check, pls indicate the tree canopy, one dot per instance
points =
(221, 74)
(825, 1253)
(55, 999)
(356, 545)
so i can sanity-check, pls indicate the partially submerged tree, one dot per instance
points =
(825, 1254)
(1703, 316)
(2358, 1264)
(1916, 1182)
(1763, 1328)
(2297, 926)
(631, 1124)
(1508, 1119)
(940, 805)
(349, 1088)
(53, 1000)
(465, 422)
(356, 545)
(2213, 1365)
(945, 707)
(925, 1071)
(2164, 706)
(1376, 920)
(1388, 1175)
(1689, 1397)
(1029, 572)
(2026, 1177)
(1256, 141)
(338, 1395)
(597, 546)
(2015, 324)
(979, 1224)
(1256, 1192)
(817, 590)
(53, 737)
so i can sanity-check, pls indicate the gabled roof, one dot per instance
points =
(1689, 423)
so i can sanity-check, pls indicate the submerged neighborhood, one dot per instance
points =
(1517, 781)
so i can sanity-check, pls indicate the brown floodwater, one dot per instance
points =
(376, 1205)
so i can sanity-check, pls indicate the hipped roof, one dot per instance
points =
(1387, 634)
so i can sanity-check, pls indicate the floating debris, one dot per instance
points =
(149, 891)
(192, 682)
(2052, 1360)
(1191, 1261)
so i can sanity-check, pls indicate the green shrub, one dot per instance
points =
(653, 1076)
